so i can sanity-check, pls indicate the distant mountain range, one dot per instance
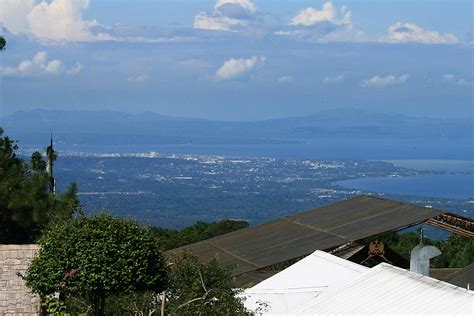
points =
(110, 127)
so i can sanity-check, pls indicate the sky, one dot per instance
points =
(238, 59)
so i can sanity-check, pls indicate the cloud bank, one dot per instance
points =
(40, 65)
(380, 82)
(409, 32)
(328, 13)
(228, 15)
(451, 78)
(329, 24)
(58, 20)
(63, 20)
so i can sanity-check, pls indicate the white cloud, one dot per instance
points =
(228, 15)
(329, 24)
(328, 13)
(139, 78)
(74, 70)
(13, 15)
(39, 65)
(236, 68)
(58, 20)
(379, 82)
(333, 79)
(285, 79)
(456, 80)
(62, 20)
(409, 32)
(247, 5)
(216, 22)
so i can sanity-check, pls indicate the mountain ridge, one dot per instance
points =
(107, 127)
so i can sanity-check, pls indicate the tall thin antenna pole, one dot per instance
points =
(49, 167)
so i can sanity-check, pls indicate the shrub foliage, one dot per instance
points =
(92, 258)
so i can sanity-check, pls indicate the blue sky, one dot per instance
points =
(238, 59)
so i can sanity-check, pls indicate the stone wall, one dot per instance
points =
(15, 298)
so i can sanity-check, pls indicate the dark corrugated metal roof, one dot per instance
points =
(301, 234)
(463, 277)
(443, 274)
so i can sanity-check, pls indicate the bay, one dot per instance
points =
(457, 186)
(436, 165)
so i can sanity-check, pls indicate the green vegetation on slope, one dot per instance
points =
(170, 238)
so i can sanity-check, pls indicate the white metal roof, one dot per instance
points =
(300, 283)
(386, 289)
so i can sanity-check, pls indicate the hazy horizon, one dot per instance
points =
(143, 112)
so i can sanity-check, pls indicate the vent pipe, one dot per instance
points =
(420, 258)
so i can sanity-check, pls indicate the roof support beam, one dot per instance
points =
(453, 223)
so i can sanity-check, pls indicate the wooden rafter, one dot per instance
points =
(454, 223)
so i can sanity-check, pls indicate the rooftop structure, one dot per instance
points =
(385, 289)
(253, 250)
(463, 278)
(284, 292)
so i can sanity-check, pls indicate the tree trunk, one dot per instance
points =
(98, 305)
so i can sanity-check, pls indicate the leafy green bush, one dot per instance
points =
(197, 288)
(92, 258)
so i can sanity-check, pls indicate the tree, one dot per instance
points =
(3, 43)
(37, 162)
(91, 258)
(456, 251)
(170, 238)
(197, 288)
(149, 303)
(26, 204)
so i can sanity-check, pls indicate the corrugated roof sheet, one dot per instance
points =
(299, 283)
(386, 289)
(443, 274)
(299, 235)
(464, 277)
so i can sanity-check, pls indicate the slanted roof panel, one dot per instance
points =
(207, 251)
(364, 216)
(301, 282)
(275, 242)
(275, 232)
(386, 289)
(341, 212)
(319, 229)
(464, 277)
(293, 248)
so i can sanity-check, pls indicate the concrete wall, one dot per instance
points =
(15, 298)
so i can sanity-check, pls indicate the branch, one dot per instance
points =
(190, 301)
(163, 300)
(202, 281)
(197, 298)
